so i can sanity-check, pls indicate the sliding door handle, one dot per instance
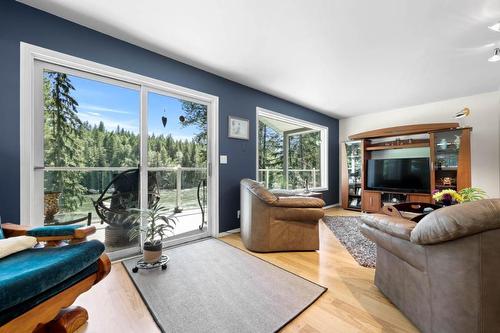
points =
(39, 168)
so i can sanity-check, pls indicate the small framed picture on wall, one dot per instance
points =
(238, 128)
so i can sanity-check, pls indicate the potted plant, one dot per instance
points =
(472, 194)
(51, 204)
(157, 225)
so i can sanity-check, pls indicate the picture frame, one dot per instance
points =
(238, 128)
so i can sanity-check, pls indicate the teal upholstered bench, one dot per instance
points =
(51, 235)
(51, 231)
(35, 284)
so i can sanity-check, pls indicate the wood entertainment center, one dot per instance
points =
(445, 144)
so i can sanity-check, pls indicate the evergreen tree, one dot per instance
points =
(63, 138)
(196, 114)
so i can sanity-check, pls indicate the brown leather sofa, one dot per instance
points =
(271, 224)
(444, 272)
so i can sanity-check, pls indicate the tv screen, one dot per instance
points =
(399, 175)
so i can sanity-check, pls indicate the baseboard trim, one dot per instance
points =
(229, 232)
(332, 206)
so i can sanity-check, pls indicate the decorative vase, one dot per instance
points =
(152, 252)
(51, 204)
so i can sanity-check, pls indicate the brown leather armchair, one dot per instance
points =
(271, 224)
(443, 272)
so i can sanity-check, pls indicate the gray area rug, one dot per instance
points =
(346, 229)
(210, 286)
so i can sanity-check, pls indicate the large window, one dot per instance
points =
(291, 152)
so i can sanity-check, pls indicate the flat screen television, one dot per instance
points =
(399, 175)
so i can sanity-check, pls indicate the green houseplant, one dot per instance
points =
(472, 194)
(157, 225)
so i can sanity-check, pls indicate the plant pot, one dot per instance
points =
(152, 252)
(117, 236)
(51, 204)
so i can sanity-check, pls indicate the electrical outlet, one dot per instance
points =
(238, 214)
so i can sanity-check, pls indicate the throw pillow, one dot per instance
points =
(13, 245)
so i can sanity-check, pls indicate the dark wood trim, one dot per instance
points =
(345, 177)
(432, 161)
(464, 161)
(403, 130)
(393, 145)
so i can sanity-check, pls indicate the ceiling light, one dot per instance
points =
(462, 113)
(496, 55)
(495, 27)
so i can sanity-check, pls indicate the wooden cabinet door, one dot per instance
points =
(372, 201)
(420, 198)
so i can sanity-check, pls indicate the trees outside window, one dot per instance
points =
(290, 152)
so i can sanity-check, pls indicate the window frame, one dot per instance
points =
(299, 122)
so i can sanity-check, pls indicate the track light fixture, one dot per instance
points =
(462, 113)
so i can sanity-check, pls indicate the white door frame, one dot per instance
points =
(31, 54)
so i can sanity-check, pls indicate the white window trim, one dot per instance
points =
(30, 54)
(296, 121)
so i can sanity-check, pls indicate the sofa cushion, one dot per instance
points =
(395, 226)
(18, 309)
(53, 231)
(29, 273)
(457, 221)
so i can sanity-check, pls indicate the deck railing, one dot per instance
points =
(313, 182)
(104, 175)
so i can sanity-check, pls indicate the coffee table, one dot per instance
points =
(413, 211)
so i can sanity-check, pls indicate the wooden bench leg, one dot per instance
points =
(68, 320)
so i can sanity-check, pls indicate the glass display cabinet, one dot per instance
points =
(352, 192)
(450, 157)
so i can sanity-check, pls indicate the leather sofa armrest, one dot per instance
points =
(299, 202)
(258, 190)
(297, 214)
(457, 221)
(392, 225)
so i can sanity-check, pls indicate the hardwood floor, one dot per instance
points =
(351, 304)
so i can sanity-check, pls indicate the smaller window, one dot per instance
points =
(291, 153)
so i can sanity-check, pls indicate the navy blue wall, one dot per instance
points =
(22, 23)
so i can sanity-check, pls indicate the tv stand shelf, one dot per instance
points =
(375, 200)
(398, 145)
(449, 157)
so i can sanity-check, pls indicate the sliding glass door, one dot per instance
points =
(177, 158)
(104, 146)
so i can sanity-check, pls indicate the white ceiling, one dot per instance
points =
(340, 57)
